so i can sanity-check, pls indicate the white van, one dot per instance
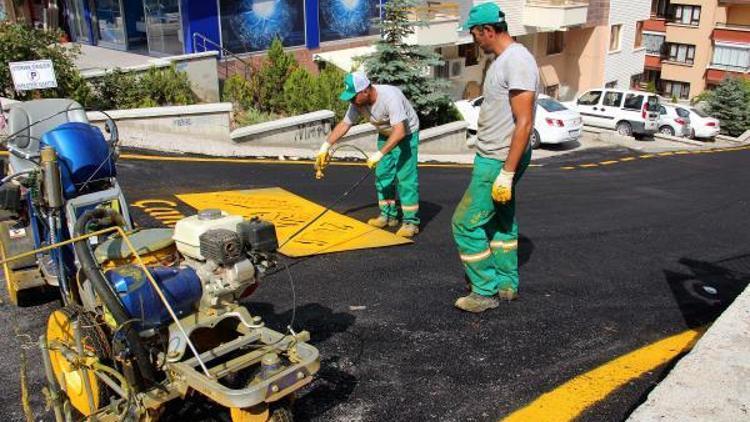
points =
(630, 113)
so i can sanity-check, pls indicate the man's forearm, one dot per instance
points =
(338, 132)
(396, 136)
(518, 144)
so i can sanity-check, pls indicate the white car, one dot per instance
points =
(630, 113)
(674, 120)
(554, 123)
(704, 126)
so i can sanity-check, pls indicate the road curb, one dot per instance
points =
(711, 382)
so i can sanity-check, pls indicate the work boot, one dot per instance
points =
(382, 221)
(408, 230)
(507, 295)
(476, 303)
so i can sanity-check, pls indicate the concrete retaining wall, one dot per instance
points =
(198, 129)
(201, 69)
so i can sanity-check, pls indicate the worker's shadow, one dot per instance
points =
(708, 288)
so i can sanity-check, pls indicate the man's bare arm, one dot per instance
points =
(397, 134)
(338, 132)
(522, 105)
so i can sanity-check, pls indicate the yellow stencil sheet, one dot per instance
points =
(333, 232)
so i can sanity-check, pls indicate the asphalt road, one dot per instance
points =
(613, 258)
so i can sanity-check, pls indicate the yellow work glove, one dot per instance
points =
(321, 160)
(502, 188)
(374, 159)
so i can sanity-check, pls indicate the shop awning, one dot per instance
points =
(549, 75)
(344, 59)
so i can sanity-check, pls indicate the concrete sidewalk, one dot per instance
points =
(711, 383)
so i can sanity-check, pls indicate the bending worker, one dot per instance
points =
(395, 161)
(484, 224)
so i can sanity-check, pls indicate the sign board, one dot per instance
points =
(37, 74)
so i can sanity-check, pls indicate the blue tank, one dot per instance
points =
(181, 286)
(83, 153)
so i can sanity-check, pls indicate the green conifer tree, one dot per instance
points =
(409, 66)
(730, 103)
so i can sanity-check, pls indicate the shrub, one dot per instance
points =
(272, 76)
(300, 92)
(157, 87)
(730, 103)
(115, 90)
(19, 42)
(328, 86)
(238, 91)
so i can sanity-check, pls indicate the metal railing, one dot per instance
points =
(229, 60)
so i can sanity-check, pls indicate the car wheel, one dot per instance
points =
(624, 129)
(666, 130)
(535, 140)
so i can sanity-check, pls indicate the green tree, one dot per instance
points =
(115, 90)
(19, 42)
(408, 66)
(165, 87)
(300, 92)
(238, 91)
(730, 103)
(272, 76)
(328, 87)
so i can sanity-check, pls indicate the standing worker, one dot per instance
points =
(395, 161)
(484, 224)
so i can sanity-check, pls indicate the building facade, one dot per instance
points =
(692, 45)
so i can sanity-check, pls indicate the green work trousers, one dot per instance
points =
(397, 172)
(486, 232)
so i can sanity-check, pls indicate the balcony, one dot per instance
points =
(734, 2)
(655, 25)
(441, 21)
(731, 33)
(714, 74)
(555, 14)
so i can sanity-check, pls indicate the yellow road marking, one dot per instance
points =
(568, 168)
(666, 153)
(627, 159)
(589, 165)
(333, 232)
(607, 163)
(569, 400)
(647, 156)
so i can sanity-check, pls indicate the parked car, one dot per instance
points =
(554, 123)
(630, 113)
(704, 126)
(674, 120)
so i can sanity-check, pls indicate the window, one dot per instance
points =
(442, 71)
(614, 37)
(554, 42)
(590, 98)
(659, 8)
(612, 99)
(635, 80)
(469, 52)
(638, 35)
(686, 15)
(550, 105)
(677, 89)
(654, 44)
(731, 58)
(552, 91)
(633, 102)
(682, 53)
(682, 112)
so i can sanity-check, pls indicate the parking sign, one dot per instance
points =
(37, 74)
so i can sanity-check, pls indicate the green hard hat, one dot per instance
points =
(483, 14)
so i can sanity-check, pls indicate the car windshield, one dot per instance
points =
(653, 103)
(699, 113)
(550, 105)
(682, 112)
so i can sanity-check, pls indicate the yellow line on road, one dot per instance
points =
(589, 165)
(568, 168)
(647, 156)
(569, 400)
(607, 163)
(627, 159)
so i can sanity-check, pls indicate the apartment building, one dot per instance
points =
(578, 44)
(692, 45)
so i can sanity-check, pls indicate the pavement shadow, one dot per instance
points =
(427, 211)
(565, 146)
(525, 249)
(708, 288)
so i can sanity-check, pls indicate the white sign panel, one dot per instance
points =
(37, 74)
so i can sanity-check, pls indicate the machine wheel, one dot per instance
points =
(666, 130)
(60, 334)
(624, 128)
(535, 140)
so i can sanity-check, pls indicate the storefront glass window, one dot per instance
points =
(110, 22)
(340, 19)
(163, 26)
(251, 25)
(3, 14)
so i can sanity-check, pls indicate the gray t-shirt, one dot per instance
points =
(514, 69)
(390, 108)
